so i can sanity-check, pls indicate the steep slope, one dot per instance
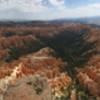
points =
(37, 69)
(76, 44)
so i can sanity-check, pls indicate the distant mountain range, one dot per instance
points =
(86, 20)
(90, 20)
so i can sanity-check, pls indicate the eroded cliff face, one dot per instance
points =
(38, 72)
(89, 76)
(70, 70)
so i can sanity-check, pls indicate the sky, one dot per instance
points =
(48, 9)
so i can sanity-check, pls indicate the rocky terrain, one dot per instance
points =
(49, 62)
(40, 67)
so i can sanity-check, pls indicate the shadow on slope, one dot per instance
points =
(72, 46)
